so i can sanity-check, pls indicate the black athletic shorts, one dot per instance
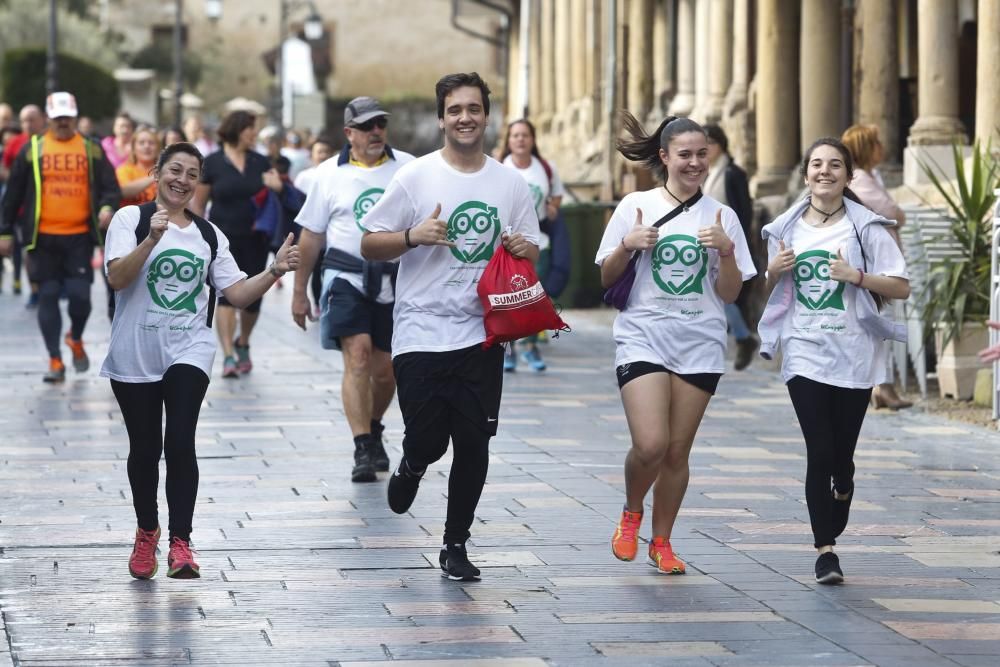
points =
(429, 385)
(57, 257)
(346, 312)
(627, 372)
(250, 253)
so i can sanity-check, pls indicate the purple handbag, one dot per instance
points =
(617, 295)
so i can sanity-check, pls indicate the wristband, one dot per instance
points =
(406, 239)
(273, 270)
(861, 278)
(729, 253)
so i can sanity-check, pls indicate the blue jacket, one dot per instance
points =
(782, 299)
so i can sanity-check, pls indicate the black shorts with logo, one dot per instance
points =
(58, 257)
(347, 312)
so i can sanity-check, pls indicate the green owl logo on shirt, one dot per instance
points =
(364, 202)
(474, 228)
(175, 278)
(813, 287)
(680, 265)
(536, 194)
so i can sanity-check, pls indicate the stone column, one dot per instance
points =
(563, 56)
(988, 72)
(776, 95)
(663, 58)
(640, 64)
(819, 76)
(535, 58)
(683, 102)
(547, 65)
(878, 72)
(736, 96)
(703, 45)
(578, 49)
(937, 91)
(720, 56)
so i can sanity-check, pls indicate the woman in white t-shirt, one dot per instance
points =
(671, 337)
(827, 257)
(521, 153)
(162, 346)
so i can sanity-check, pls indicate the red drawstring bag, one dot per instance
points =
(514, 303)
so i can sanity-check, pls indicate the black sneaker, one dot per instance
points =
(455, 564)
(402, 487)
(828, 569)
(744, 351)
(377, 452)
(364, 470)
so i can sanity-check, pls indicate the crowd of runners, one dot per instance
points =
(387, 250)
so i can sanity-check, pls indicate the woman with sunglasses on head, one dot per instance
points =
(671, 336)
(165, 264)
(831, 263)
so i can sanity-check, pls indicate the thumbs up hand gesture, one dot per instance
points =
(158, 224)
(843, 272)
(640, 237)
(287, 257)
(432, 231)
(715, 237)
(783, 261)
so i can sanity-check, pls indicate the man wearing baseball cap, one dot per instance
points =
(358, 296)
(68, 190)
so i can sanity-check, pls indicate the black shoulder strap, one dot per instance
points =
(683, 208)
(210, 237)
(146, 212)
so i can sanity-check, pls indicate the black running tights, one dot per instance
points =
(830, 418)
(181, 392)
(49, 316)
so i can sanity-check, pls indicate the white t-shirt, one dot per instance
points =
(675, 317)
(160, 318)
(538, 182)
(338, 198)
(437, 307)
(821, 338)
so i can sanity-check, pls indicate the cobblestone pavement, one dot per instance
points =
(301, 567)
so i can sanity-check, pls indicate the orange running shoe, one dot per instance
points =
(81, 362)
(57, 371)
(625, 542)
(661, 556)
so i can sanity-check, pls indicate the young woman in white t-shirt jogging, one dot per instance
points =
(671, 337)
(162, 346)
(831, 263)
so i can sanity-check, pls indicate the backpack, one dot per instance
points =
(146, 212)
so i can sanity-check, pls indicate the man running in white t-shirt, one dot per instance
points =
(357, 296)
(444, 215)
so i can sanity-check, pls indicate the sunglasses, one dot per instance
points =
(379, 121)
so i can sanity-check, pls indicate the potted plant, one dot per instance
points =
(957, 299)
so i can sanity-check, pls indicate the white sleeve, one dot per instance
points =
(315, 212)
(523, 217)
(120, 238)
(557, 189)
(884, 255)
(621, 221)
(394, 211)
(225, 273)
(734, 230)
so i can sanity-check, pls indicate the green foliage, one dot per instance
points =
(161, 60)
(23, 82)
(960, 290)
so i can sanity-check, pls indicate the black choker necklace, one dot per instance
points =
(826, 215)
(679, 200)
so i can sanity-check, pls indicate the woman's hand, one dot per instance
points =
(287, 257)
(158, 224)
(843, 272)
(782, 262)
(273, 180)
(516, 245)
(640, 237)
(715, 237)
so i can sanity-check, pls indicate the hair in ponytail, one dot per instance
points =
(645, 148)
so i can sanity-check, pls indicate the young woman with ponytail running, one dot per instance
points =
(671, 337)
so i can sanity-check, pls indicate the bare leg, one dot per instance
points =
(356, 387)
(383, 382)
(687, 407)
(650, 429)
(225, 326)
(248, 321)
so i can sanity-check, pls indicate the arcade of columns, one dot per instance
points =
(774, 93)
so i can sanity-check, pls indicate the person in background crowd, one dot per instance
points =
(831, 263)
(135, 176)
(118, 146)
(296, 152)
(231, 177)
(69, 193)
(162, 348)
(6, 114)
(444, 215)
(671, 339)
(320, 151)
(32, 122)
(521, 153)
(358, 295)
(171, 135)
(727, 183)
(85, 126)
(7, 133)
(867, 152)
(194, 131)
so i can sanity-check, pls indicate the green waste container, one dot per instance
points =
(585, 225)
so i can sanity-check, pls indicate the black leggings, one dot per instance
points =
(50, 317)
(181, 390)
(831, 419)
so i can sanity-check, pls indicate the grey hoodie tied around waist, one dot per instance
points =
(782, 299)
